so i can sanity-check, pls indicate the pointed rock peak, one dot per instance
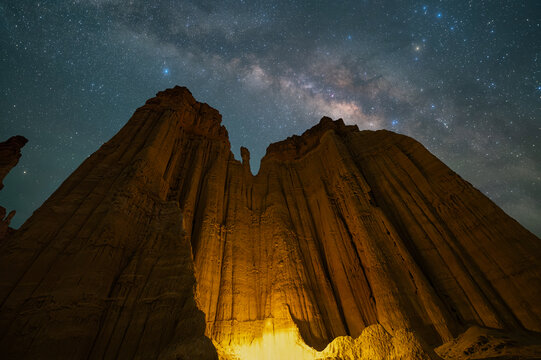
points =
(296, 146)
(195, 117)
(245, 154)
(325, 120)
(328, 123)
(175, 98)
(16, 141)
(175, 91)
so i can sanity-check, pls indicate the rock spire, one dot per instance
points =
(162, 239)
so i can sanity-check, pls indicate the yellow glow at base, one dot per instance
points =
(284, 344)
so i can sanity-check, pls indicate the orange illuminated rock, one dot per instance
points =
(347, 244)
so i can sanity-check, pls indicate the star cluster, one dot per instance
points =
(462, 77)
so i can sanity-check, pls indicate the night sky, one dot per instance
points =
(461, 77)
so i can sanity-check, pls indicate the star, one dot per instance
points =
(273, 69)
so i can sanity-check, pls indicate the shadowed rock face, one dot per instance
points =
(103, 269)
(340, 230)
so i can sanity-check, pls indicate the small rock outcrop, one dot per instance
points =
(347, 244)
(10, 153)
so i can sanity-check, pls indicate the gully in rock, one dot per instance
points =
(346, 244)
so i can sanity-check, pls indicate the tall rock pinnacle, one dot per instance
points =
(162, 240)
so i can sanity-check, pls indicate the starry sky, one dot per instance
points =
(462, 77)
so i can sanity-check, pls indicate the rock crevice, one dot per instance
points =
(341, 233)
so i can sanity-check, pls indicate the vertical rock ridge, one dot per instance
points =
(341, 233)
(103, 269)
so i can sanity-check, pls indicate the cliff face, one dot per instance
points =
(341, 233)
(342, 229)
(103, 269)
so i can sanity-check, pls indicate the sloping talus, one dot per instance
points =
(341, 233)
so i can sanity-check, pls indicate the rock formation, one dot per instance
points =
(346, 244)
(10, 153)
(103, 269)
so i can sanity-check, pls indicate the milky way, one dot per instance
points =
(461, 77)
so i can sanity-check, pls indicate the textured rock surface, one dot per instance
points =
(341, 233)
(375, 343)
(10, 153)
(482, 343)
(342, 229)
(103, 269)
